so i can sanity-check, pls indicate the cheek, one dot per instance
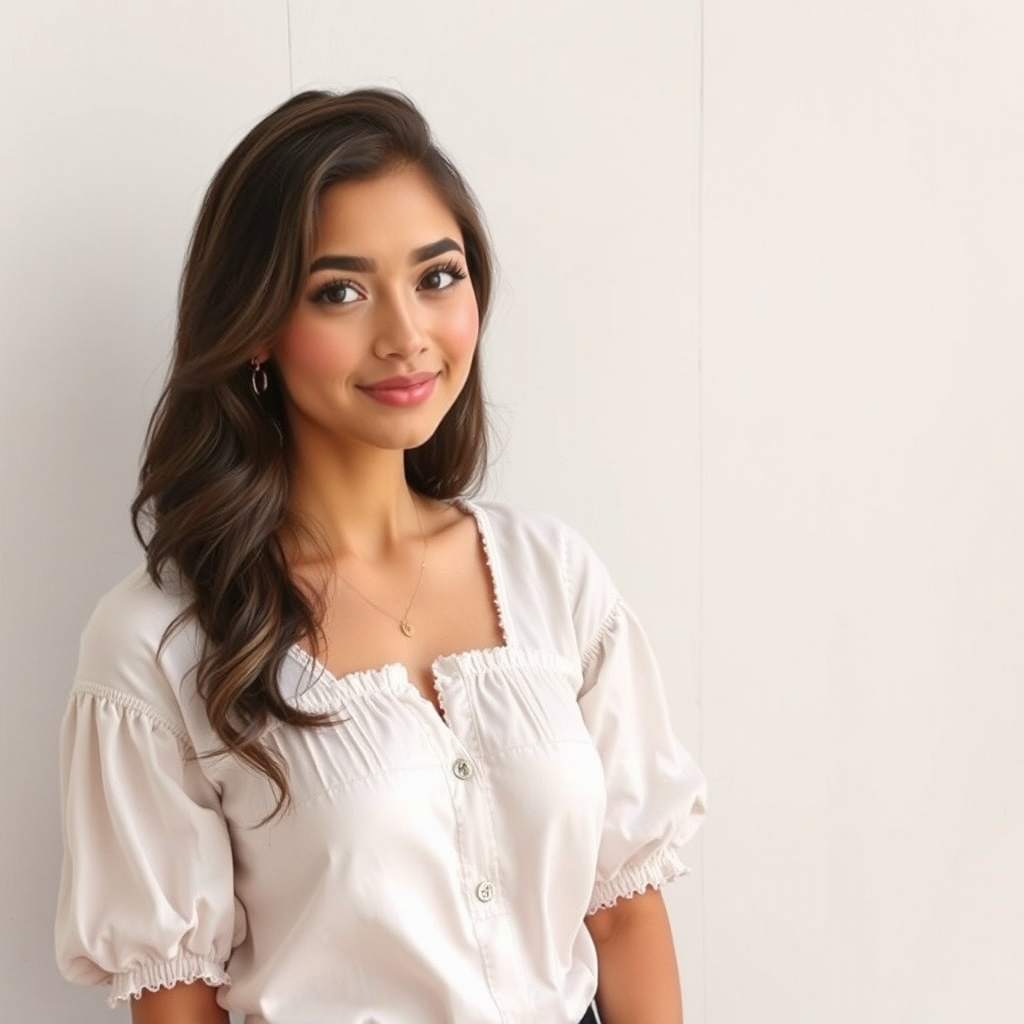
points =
(462, 328)
(308, 348)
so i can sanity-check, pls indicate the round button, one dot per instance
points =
(485, 892)
(462, 769)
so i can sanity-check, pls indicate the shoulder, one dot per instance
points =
(513, 523)
(122, 644)
(545, 534)
(522, 532)
(533, 545)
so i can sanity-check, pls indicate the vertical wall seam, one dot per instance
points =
(288, 18)
(700, 474)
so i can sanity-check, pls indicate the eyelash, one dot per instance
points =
(449, 267)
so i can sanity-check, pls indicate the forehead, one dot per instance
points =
(399, 211)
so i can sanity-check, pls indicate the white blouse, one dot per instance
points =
(429, 870)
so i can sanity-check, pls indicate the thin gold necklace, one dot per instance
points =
(404, 624)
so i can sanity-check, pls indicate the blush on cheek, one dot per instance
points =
(315, 352)
(463, 327)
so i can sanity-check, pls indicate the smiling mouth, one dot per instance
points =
(402, 391)
(410, 381)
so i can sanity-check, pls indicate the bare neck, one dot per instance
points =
(356, 504)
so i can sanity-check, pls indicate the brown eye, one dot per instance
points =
(439, 278)
(436, 279)
(336, 293)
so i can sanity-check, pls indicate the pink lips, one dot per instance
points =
(402, 391)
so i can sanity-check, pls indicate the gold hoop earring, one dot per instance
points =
(259, 379)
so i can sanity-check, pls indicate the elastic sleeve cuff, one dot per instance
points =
(664, 867)
(155, 975)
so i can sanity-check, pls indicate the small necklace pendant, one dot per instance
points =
(406, 628)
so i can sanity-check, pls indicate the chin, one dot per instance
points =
(407, 439)
(408, 429)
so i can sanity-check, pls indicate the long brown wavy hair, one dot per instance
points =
(214, 484)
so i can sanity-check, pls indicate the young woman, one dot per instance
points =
(352, 747)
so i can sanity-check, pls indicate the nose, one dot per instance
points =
(399, 335)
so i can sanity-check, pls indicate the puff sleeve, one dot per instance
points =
(655, 792)
(146, 894)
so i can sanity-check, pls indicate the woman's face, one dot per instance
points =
(381, 342)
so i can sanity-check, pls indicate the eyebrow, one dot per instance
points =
(361, 264)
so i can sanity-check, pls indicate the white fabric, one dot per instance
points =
(396, 890)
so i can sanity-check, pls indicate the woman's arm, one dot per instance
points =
(194, 1003)
(638, 981)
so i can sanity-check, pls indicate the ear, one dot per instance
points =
(262, 354)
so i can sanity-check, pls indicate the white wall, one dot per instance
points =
(862, 499)
(767, 358)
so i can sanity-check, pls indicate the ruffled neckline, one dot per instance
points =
(324, 689)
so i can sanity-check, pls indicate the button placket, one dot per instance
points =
(470, 794)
